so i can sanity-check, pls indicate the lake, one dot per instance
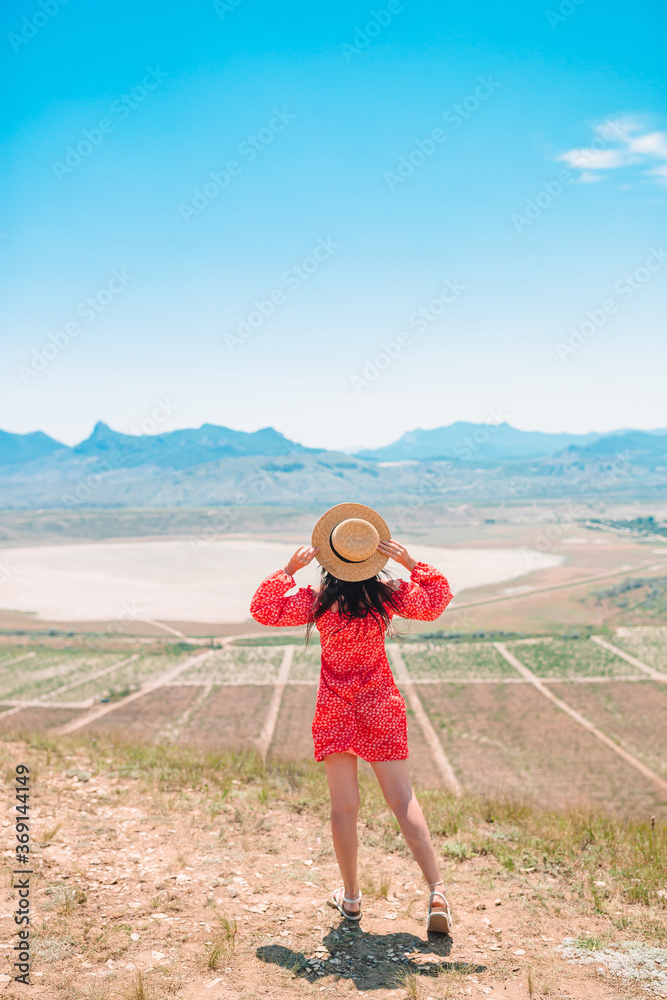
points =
(198, 581)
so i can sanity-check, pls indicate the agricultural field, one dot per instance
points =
(508, 739)
(499, 732)
(40, 673)
(306, 664)
(646, 644)
(76, 675)
(450, 661)
(634, 715)
(565, 658)
(129, 674)
(240, 665)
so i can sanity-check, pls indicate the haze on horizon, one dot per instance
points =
(242, 208)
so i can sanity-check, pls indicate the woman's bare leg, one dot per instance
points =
(341, 769)
(394, 778)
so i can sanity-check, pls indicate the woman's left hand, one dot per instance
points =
(396, 551)
(301, 558)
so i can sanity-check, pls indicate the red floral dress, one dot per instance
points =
(359, 709)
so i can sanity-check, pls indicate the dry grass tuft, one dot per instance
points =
(138, 989)
(48, 836)
(375, 888)
(224, 943)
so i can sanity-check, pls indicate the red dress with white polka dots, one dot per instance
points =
(359, 709)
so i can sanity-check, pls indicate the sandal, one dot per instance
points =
(339, 899)
(438, 920)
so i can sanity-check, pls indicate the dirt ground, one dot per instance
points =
(146, 891)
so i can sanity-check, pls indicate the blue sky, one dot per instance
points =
(346, 221)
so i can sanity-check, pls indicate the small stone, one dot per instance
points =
(498, 902)
(519, 951)
(134, 937)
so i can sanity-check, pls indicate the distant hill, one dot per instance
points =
(467, 442)
(185, 448)
(26, 447)
(218, 466)
(646, 448)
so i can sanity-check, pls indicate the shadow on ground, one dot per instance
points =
(371, 961)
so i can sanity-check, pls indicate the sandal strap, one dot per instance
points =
(436, 892)
(352, 899)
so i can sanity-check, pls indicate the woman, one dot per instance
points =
(359, 711)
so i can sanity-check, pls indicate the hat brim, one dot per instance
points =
(342, 570)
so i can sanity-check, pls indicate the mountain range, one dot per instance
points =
(219, 465)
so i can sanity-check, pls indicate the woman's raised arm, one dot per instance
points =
(426, 595)
(271, 606)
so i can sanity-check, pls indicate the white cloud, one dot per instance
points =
(659, 171)
(617, 127)
(588, 178)
(620, 142)
(595, 159)
(653, 144)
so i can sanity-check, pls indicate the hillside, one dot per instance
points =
(545, 903)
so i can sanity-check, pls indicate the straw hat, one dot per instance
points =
(348, 536)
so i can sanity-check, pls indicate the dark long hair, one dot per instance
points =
(356, 599)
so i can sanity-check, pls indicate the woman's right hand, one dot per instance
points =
(398, 552)
(301, 558)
